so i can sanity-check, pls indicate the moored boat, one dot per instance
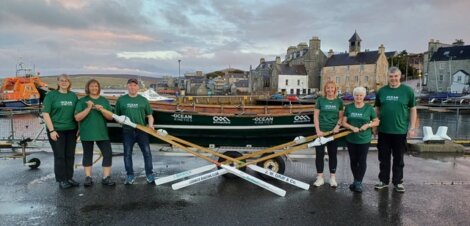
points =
(229, 125)
(22, 90)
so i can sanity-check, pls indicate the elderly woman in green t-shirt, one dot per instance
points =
(359, 117)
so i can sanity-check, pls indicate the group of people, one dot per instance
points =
(68, 118)
(393, 118)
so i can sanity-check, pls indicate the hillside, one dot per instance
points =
(107, 81)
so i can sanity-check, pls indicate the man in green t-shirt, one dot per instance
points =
(137, 108)
(395, 105)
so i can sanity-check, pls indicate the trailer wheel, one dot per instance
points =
(232, 154)
(276, 164)
(34, 163)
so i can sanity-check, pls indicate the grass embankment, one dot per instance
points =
(106, 81)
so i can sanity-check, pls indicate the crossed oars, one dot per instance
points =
(191, 172)
(317, 142)
(167, 138)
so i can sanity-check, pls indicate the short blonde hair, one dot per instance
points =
(64, 76)
(329, 82)
(359, 90)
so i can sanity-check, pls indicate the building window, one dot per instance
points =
(334, 68)
(442, 65)
(441, 77)
(287, 82)
(356, 78)
(291, 91)
(298, 82)
(366, 78)
(304, 91)
(459, 78)
(362, 67)
(338, 80)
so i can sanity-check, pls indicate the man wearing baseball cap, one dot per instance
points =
(137, 108)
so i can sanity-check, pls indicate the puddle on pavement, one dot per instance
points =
(11, 208)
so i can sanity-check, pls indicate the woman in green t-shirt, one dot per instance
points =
(57, 110)
(359, 117)
(327, 117)
(93, 129)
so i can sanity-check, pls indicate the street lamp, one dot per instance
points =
(179, 72)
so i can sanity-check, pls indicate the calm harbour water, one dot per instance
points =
(30, 125)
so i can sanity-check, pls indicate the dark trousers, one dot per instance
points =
(105, 148)
(64, 154)
(391, 145)
(332, 159)
(130, 137)
(358, 159)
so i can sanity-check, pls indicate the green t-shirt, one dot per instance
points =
(394, 105)
(93, 126)
(61, 107)
(136, 108)
(329, 112)
(358, 117)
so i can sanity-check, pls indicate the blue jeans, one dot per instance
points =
(130, 137)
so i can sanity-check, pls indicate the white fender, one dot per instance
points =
(427, 133)
(442, 133)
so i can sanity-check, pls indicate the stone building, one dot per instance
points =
(442, 61)
(311, 57)
(260, 77)
(355, 68)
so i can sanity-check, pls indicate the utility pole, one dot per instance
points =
(179, 73)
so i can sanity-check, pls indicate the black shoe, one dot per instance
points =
(108, 181)
(64, 184)
(88, 182)
(73, 182)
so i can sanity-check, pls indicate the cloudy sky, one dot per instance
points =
(148, 37)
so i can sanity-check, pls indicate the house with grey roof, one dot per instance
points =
(290, 79)
(442, 65)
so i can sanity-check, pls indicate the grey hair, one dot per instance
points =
(359, 90)
(393, 70)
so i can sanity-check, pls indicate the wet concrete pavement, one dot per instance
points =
(437, 193)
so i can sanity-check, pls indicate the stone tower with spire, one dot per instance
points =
(354, 44)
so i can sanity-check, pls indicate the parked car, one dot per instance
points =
(292, 97)
(277, 96)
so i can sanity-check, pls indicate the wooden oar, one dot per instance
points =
(233, 170)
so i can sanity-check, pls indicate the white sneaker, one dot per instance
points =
(319, 182)
(333, 182)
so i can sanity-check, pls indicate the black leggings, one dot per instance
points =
(105, 148)
(64, 154)
(320, 154)
(358, 159)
